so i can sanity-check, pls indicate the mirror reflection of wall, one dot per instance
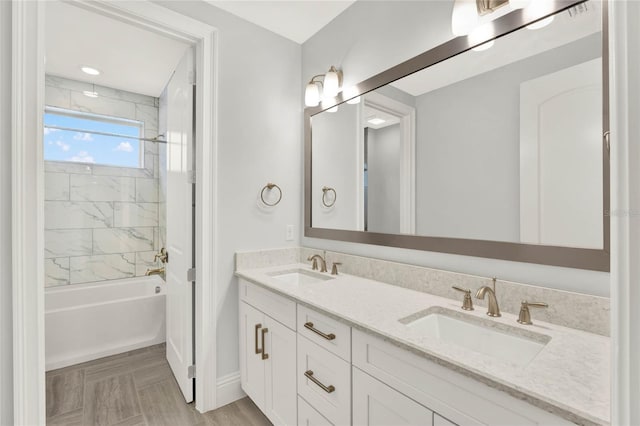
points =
(494, 133)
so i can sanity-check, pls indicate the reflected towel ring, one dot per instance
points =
(326, 189)
(270, 186)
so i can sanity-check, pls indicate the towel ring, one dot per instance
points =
(269, 187)
(326, 189)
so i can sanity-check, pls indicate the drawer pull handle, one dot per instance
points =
(265, 355)
(328, 389)
(258, 327)
(309, 325)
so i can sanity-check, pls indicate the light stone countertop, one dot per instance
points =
(569, 377)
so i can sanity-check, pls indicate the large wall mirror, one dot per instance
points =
(493, 148)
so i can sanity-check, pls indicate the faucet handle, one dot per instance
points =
(334, 268)
(525, 315)
(467, 303)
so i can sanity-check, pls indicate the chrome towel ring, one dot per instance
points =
(326, 189)
(269, 186)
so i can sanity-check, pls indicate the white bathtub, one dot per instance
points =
(90, 321)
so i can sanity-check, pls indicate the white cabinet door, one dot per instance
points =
(308, 416)
(376, 404)
(280, 373)
(252, 366)
(179, 301)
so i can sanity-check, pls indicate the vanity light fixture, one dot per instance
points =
(89, 70)
(469, 14)
(331, 83)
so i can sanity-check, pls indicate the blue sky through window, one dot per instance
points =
(81, 147)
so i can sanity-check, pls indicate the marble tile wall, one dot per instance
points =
(101, 222)
(574, 310)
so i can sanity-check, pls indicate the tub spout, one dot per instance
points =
(158, 271)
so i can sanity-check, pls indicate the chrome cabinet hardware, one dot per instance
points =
(334, 268)
(258, 350)
(493, 310)
(467, 303)
(328, 389)
(309, 326)
(326, 200)
(315, 258)
(265, 355)
(525, 315)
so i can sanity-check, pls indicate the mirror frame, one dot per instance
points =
(581, 258)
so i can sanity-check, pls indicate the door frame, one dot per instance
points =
(27, 207)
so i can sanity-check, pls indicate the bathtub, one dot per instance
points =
(89, 321)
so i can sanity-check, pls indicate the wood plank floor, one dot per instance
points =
(136, 388)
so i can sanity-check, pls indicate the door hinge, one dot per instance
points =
(191, 176)
(191, 274)
(191, 372)
(192, 78)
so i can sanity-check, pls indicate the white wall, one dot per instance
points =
(384, 148)
(260, 117)
(370, 37)
(337, 158)
(6, 329)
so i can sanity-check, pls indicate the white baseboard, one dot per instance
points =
(229, 389)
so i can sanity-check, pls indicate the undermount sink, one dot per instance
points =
(299, 276)
(471, 333)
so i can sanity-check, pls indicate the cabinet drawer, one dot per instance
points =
(277, 307)
(328, 390)
(332, 335)
(376, 404)
(308, 416)
(460, 399)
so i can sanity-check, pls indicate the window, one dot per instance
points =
(81, 137)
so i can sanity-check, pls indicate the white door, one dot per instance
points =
(252, 365)
(179, 225)
(376, 404)
(280, 373)
(561, 158)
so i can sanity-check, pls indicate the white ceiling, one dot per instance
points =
(296, 20)
(129, 58)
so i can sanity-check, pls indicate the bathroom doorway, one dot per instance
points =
(100, 225)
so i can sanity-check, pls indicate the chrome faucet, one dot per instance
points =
(323, 263)
(493, 310)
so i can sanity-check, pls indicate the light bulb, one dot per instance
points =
(331, 85)
(311, 95)
(519, 4)
(464, 17)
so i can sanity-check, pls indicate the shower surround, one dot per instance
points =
(101, 222)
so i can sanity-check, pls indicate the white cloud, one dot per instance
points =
(124, 147)
(83, 137)
(82, 157)
(63, 146)
(48, 131)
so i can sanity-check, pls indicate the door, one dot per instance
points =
(561, 158)
(376, 404)
(179, 136)
(280, 373)
(252, 366)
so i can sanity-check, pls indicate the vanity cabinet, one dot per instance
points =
(268, 363)
(303, 367)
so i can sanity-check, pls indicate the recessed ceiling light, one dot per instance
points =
(540, 24)
(375, 121)
(90, 70)
(484, 46)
